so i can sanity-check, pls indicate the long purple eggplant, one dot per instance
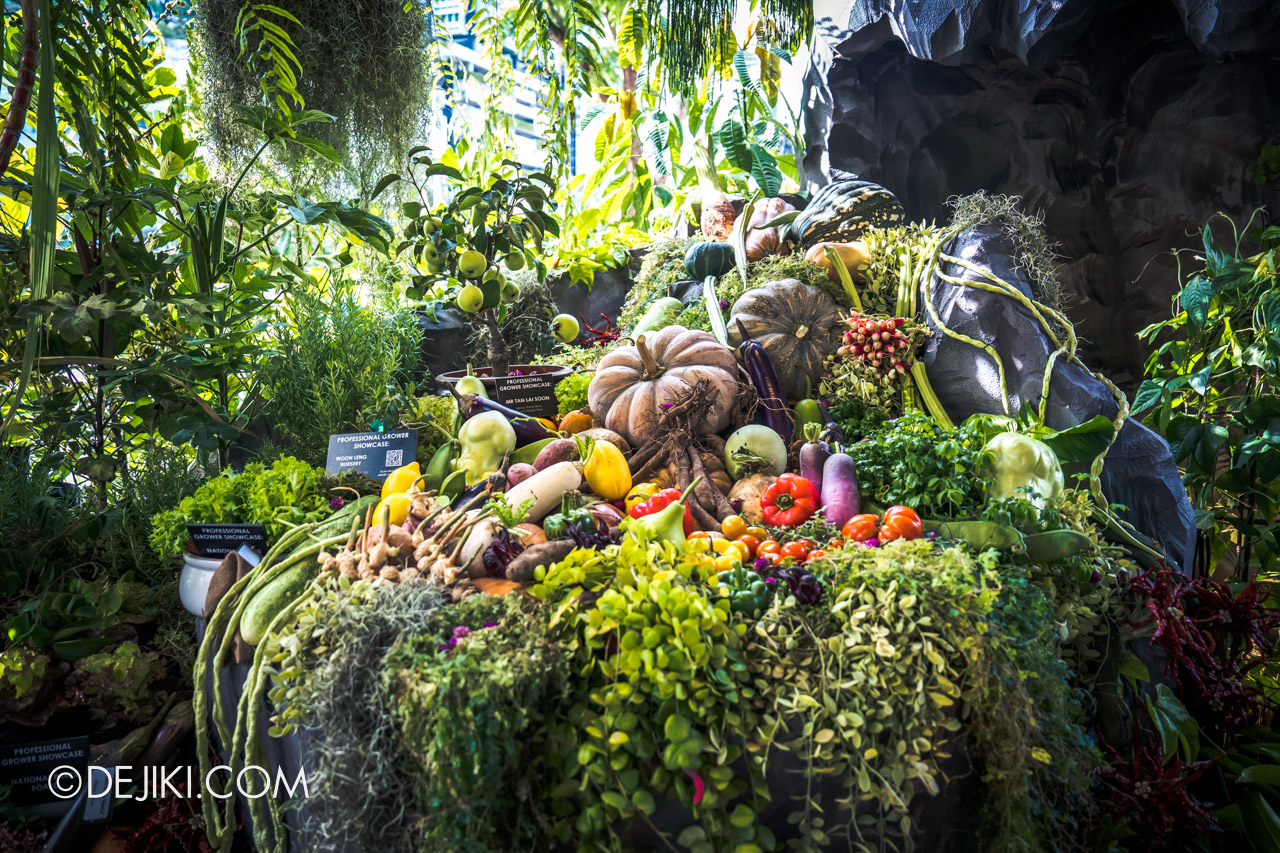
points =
(813, 455)
(528, 428)
(840, 497)
(831, 430)
(773, 402)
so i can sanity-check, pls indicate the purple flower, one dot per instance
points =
(491, 624)
(871, 543)
(760, 565)
(932, 536)
(444, 647)
(460, 632)
(770, 580)
(1095, 577)
(724, 304)
(667, 405)
(336, 503)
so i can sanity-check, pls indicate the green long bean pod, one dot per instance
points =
(842, 270)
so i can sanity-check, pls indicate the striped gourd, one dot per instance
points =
(841, 211)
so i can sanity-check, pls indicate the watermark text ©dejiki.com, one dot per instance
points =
(153, 783)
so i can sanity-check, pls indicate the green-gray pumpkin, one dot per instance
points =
(798, 326)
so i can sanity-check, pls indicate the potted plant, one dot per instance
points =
(462, 250)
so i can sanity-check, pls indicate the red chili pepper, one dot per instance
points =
(659, 501)
(790, 501)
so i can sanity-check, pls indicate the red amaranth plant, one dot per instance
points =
(1212, 638)
(1144, 788)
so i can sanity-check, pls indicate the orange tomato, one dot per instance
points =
(901, 522)
(797, 550)
(699, 534)
(819, 554)
(734, 526)
(835, 543)
(758, 532)
(750, 542)
(769, 546)
(860, 528)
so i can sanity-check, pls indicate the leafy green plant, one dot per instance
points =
(571, 392)
(282, 496)
(1211, 391)
(336, 366)
(479, 700)
(120, 683)
(915, 462)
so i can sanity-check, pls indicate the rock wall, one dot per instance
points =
(1126, 124)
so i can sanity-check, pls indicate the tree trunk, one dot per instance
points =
(499, 355)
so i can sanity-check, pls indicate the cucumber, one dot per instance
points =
(273, 598)
(660, 315)
(340, 521)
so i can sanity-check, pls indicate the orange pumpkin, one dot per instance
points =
(632, 383)
(575, 422)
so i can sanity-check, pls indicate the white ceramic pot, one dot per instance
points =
(194, 584)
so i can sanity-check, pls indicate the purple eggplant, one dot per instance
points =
(773, 402)
(840, 498)
(813, 455)
(528, 428)
(831, 430)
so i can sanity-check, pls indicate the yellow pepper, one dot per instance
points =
(606, 471)
(400, 480)
(641, 492)
(395, 507)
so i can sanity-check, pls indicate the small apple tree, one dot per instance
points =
(463, 243)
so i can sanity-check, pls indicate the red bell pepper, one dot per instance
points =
(660, 501)
(789, 502)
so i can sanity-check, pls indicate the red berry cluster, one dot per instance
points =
(880, 342)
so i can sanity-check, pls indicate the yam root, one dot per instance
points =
(521, 569)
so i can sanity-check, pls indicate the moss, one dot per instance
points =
(1034, 254)
(662, 267)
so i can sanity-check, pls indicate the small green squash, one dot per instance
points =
(704, 259)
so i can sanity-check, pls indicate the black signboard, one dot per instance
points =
(215, 540)
(374, 454)
(27, 767)
(534, 394)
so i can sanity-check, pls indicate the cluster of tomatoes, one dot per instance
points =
(743, 542)
(898, 522)
(746, 543)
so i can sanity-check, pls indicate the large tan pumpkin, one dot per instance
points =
(632, 382)
(798, 326)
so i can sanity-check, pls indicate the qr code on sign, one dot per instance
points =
(395, 458)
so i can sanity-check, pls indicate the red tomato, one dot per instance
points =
(819, 554)
(901, 522)
(771, 558)
(751, 542)
(835, 543)
(768, 546)
(797, 551)
(860, 528)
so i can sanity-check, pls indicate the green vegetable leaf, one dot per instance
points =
(1196, 298)
(1150, 393)
(1177, 727)
(1080, 443)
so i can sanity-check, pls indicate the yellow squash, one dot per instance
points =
(606, 472)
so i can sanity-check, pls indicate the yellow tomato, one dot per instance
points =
(395, 506)
(400, 479)
(758, 532)
(724, 563)
(720, 546)
(606, 472)
(734, 526)
(738, 551)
